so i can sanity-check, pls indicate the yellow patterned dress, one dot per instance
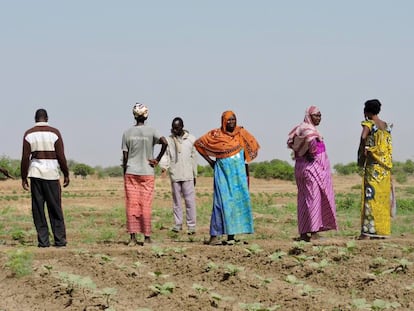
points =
(376, 185)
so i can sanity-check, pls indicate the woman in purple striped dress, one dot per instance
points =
(316, 200)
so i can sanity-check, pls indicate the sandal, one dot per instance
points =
(302, 237)
(213, 241)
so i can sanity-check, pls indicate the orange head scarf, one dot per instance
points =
(220, 143)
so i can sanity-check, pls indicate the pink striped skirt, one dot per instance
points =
(139, 194)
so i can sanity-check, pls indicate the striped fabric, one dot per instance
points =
(139, 193)
(316, 202)
(43, 153)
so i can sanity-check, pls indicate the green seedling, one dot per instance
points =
(232, 270)
(162, 289)
(264, 281)
(20, 262)
(293, 280)
(211, 266)
(277, 255)
(107, 293)
(199, 288)
(301, 259)
(256, 306)
(253, 249)
(159, 251)
(319, 266)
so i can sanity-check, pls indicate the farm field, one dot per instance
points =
(264, 271)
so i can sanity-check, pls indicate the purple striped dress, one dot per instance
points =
(316, 210)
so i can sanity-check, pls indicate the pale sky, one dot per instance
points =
(87, 62)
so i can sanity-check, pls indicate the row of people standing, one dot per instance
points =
(316, 210)
(231, 146)
(228, 150)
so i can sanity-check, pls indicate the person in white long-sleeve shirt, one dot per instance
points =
(180, 160)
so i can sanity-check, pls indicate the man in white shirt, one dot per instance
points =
(180, 160)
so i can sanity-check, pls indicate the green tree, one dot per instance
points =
(346, 169)
(83, 170)
(12, 166)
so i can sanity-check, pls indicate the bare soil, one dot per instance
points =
(266, 271)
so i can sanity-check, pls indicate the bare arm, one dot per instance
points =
(124, 160)
(362, 152)
(164, 144)
(209, 160)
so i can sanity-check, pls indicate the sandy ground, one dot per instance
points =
(179, 272)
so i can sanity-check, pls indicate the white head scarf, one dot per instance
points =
(140, 110)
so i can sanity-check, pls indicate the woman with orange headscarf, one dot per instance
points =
(232, 147)
(316, 201)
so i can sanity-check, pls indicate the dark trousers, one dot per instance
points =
(49, 192)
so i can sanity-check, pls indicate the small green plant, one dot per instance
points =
(264, 281)
(293, 279)
(107, 293)
(232, 270)
(73, 280)
(410, 287)
(48, 268)
(351, 246)
(216, 298)
(211, 266)
(277, 255)
(18, 235)
(162, 289)
(159, 251)
(104, 258)
(377, 304)
(378, 261)
(179, 250)
(136, 264)
(256, 306)
(253, 249)
(319, 266)
(199, 288)
(158, 274)
(298, 248)
(20, 262)
(361, 303)
(301, 259)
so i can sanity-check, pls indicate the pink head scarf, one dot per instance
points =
(301, 135)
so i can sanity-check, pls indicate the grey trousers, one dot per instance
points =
(185, 190)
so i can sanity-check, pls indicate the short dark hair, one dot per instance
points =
(372, 106)
(179, 120)
(41, 114)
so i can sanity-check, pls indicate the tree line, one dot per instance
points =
(274, 169)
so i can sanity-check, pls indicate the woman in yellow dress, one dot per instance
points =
(375, 159)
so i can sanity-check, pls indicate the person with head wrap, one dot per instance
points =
(375, 160)
(232, 147)
(316, 210)
(138, 164)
